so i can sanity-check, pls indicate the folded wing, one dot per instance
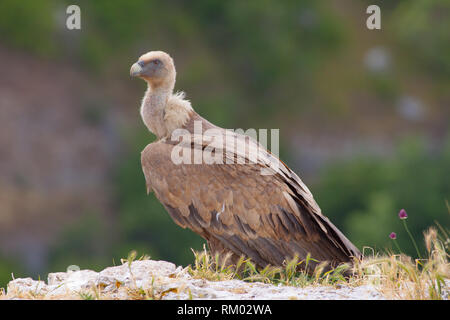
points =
(250, 203)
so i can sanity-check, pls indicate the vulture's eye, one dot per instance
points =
(156, 61)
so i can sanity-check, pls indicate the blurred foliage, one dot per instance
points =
(265, 44)
(423, 27)
(364, 195)
(28, 25)
(269, 43)
(83, 243)
(9, 269)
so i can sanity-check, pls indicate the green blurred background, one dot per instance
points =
(363, 117)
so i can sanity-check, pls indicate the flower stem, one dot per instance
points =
(414, 242)
(396, 244)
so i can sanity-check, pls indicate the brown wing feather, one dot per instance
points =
(268, 218)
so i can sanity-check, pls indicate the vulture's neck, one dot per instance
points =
(152, 109)
(162, 111)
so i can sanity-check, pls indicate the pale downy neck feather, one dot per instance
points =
(162, 111)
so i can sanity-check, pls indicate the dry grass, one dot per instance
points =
(208, 267)
(401, 277)
(396, 276)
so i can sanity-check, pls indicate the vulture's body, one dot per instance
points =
(246, 202)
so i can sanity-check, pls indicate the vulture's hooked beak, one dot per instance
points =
(136, 70)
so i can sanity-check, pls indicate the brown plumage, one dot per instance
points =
(248, 203)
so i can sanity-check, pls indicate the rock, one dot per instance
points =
(149, 279)
(140, 274)
(27, 286)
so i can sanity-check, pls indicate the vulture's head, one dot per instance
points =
(155, 67)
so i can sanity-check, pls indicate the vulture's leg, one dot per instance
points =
(227, 258)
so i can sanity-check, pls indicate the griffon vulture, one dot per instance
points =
(244, 203)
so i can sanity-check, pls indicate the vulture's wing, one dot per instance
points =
(253, 205)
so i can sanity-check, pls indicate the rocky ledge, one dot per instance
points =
(163, 280)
